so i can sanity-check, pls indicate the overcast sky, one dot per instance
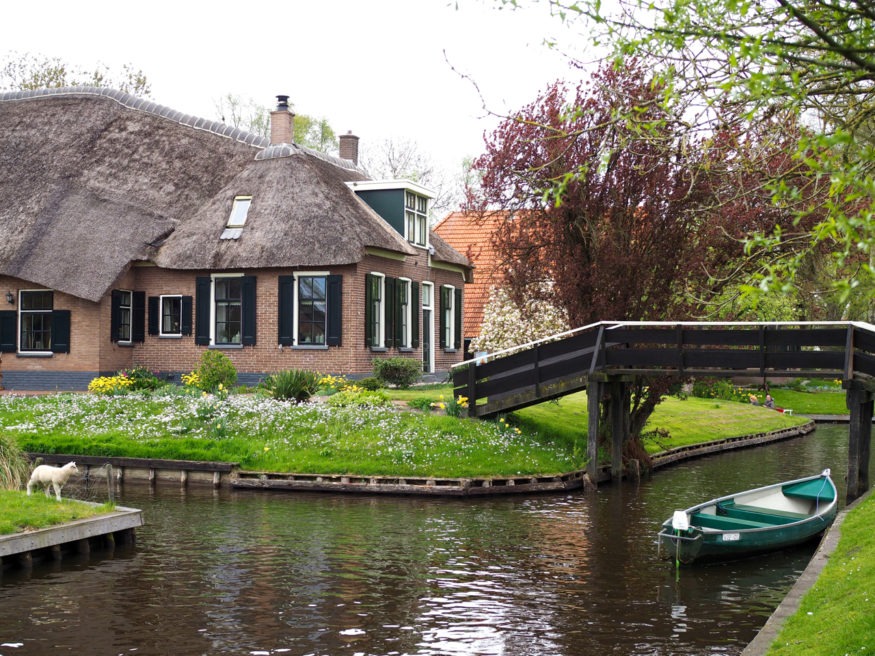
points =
(379, 68)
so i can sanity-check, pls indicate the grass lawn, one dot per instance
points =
(811, 403)
(837, 616)
(19, 512)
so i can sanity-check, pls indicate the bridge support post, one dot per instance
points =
(860, 405)
(619, 409)
(594, 389)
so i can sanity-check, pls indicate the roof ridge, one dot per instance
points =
(145, 105)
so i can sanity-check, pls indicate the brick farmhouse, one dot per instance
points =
(135, 235)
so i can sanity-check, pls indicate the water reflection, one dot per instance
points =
(259, 573)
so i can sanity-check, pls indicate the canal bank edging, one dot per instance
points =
(79, 536)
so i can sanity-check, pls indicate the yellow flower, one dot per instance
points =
(266, 449)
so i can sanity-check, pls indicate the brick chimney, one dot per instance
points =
(282, 122)
(349, 147)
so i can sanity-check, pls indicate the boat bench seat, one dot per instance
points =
(765, 515)
(724, 523)
(812, 490)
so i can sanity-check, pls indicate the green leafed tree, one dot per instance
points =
(22, 72)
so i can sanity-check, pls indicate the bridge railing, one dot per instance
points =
(550, 368)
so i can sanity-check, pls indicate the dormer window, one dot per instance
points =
(239, 211)
(416, 218)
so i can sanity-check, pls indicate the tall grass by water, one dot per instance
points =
(19, 512)
(272, 435)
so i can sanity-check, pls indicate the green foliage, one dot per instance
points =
(352, 396)
(401, 372)
(142, 378)
(371, 383)
(215, 369)
(292, 385)
(14, 466)
(110, 385)
(718, 388)
(423, 403)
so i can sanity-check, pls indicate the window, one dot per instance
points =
(171, 316)
(450, 317)
(35, 321)
(228, 310)
(375, 326)
(239, 211)
(416, 218)
(404, 314)
(123, 325)
(447, 316)
(311, 310)
(225, 310)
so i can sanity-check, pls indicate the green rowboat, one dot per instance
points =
(764, 519)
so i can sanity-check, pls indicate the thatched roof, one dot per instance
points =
(94, 179)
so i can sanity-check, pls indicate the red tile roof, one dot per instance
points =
(471, 235)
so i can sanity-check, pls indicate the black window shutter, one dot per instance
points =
(8, 330)
(202, 310)
(154, 315)
(334, 329)
(250, 306)
(389, 306)
(369, 309)
(115, 314)
(286, 311)
(442, 319)
(138, 317)
(457, 315)
(414, 314)
(61, 331)
(186, 315)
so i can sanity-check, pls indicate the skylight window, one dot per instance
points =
(239, 211)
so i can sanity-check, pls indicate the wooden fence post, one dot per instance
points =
(859, 438)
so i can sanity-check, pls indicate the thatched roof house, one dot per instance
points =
(103, 193)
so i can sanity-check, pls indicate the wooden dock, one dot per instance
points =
(79, 536)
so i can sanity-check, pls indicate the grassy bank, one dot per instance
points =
(264, 434)
(19, 512)
(837, 616)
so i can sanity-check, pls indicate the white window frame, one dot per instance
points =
(378, 313)
(295, 305)
(416, 218)
(215, 277)
(161, 331)
(450, 317)
(126, 309)
(406, 337)
(426, 290)
(21, 312)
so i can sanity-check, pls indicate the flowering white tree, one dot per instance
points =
(507, 324)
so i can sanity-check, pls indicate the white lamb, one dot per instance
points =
(46, 475)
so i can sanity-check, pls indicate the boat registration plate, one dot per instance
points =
(731, 537)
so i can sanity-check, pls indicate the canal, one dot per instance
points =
(259, 573)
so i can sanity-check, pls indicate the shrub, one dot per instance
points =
(357, 396)
(110, 385)
(401, 372)
(215, 369)
(370, 383)
(142, 378)
(718, 388)
(293, 384)
(14, 467)
(423, 403)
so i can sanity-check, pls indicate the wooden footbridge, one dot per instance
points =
(604, 358)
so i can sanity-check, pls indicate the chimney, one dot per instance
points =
(349, 147)
(282, 122)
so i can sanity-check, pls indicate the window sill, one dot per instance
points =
(226, 346)
(379, 349)
(451, 350)
(406, 349)
(310, 347)
(34, 354)
(169, 336)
